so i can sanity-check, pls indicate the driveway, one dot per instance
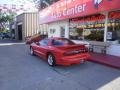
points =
(21, 71)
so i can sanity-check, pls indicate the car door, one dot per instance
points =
(43, 45)
(36, 47)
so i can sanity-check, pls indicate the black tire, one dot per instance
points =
(31, 51)
(51, 60)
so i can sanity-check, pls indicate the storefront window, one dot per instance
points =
(114, 31)
(76, 33)
(62, 31)
(92, 27)
(87, 28)
(95, 34)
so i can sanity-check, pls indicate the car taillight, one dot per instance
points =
(69, 53)
(86, 50)
(76, 51)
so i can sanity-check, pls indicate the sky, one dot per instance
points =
(28, 4)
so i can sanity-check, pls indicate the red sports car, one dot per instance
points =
(60, 51)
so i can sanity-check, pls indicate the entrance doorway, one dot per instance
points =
(19, 32)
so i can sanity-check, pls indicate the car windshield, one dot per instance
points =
(61, 42)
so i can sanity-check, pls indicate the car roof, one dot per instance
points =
(56, 38)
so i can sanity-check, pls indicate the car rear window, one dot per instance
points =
(61, 42)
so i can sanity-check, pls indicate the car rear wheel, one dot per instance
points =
(51, 60)
(31, 51)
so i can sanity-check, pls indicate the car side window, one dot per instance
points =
(62, 42)
(44, 42)
(57, 42)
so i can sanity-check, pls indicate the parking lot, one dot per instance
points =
(21, 71)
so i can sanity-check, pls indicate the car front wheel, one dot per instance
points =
(51, 60)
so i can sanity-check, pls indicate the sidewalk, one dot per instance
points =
(108, 60)
(10, 41)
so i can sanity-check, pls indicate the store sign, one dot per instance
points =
(112, 15)
(115, 14)
(97, 25)
(88, 18)
(65, 9)
(70, 11)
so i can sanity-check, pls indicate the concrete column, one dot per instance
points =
(67, 30)
(106, 26)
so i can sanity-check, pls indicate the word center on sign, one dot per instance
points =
(70, 11)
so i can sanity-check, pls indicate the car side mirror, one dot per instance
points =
(37, 43)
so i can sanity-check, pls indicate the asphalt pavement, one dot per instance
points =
(21, 71)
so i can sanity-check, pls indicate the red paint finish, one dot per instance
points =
(64, 50)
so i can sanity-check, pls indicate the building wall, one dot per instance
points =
(54, 28)
(43, 29)
(29, 24)
(19, 21)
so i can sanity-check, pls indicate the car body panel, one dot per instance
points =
(63, 54)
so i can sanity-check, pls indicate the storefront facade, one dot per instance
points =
(96, 20)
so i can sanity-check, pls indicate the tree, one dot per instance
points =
(37, 4)
(5, 19)
(41, 4)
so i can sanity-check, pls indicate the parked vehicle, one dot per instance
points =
(4, 35)
(60, 51)
(34, 38)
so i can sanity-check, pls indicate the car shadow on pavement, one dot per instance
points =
(91, 75)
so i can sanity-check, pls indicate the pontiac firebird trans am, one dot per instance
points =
(60, 51)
